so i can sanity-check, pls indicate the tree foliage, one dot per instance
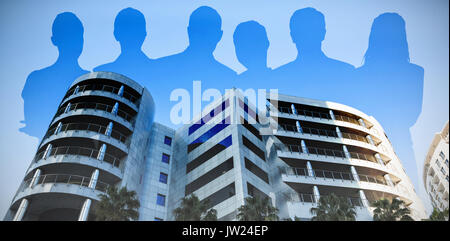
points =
(333, 208)
(192, 209)
(117, 205)
(257, 209)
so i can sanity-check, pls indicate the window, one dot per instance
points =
(158, 219)
(210, 133)
(437, 163)
(163, 177)
(210, 153)
(161, 200)
(442, 155)
(167, 140)
(446, 178)
(165, 158)
(209, 116)
(446, 162)
(443, 171)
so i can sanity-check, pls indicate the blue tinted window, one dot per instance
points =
(210, 133)
(161, 200)
(165, 158)
(163, 178)
(209, 116)
(167, 140)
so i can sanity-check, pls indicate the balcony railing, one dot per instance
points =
(88, 127)
(311, 198)
(79, 151)
(333, 175)
(106, 88)
(320, 115)
(96, 106)
(330, 152)
(323, 133)
(66, 179)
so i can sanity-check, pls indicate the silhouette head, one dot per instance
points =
(387, 40)
(67, 35)
(129, 28)
(205, 29)
(251, 44)
(307, 27)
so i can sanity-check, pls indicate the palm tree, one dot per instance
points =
(333, 208)
(192, 209)
(117, 205)
(257, 209)
(391, 211)
(437, 215)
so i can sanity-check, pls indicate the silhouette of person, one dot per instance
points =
(45, 88)
(391, 87)
(251, 44)
(130, 31)
(195, 63)
(312, 74)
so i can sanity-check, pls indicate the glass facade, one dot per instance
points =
(209, 116)
(161, 200)
(210, 133)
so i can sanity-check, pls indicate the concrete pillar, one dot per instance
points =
(332, 115)
(388, 180)
(21, 210)
(35, 178)
(370, 140)
(354, 173)
(120, 93)
(115, 108)
(316, 194)
(85, 210)
(299, 127)
(109, 129)
(338, 131)
(94, 178)
(309, 169)
(67, 108)
(346, 153)
(48, 150)
(362, 123)
(294, 110)
(101, 153)
(58, 128)
(304, 148)
(363, 198)
(76, 90)
(378, 157)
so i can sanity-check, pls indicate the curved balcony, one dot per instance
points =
(96, 106)
(340, 179)
(79, 151)
(334, 156)
(88, 127)
(324, 118)
(61, 183)
(102, 90)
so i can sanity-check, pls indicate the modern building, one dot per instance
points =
(435, 171)
(99, 136)
(309, 149)
(292, 150)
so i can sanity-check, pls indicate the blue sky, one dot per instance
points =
(25, 28)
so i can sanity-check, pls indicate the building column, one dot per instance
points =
(58, 128)
(85, 210)
(354, 173)
(309, 169)
(332, 115)
(35, 179)
(362, 123)
(94, 178)
(108, 130)
(299, 127)
(101, 153)
(378, 157)
(120, 93)
(346, 153)
(304, 148)
(48, 150)
(370, 140)
(21, 210)
(338, 132)
(363, 198)
(294, 110)
(388, 180)
(316, 194)
(115, 108)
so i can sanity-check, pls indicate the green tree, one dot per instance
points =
(117, 205)
(386, 210)
(437, 215)
(257, 209)
(192, 209)
(333, 208)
